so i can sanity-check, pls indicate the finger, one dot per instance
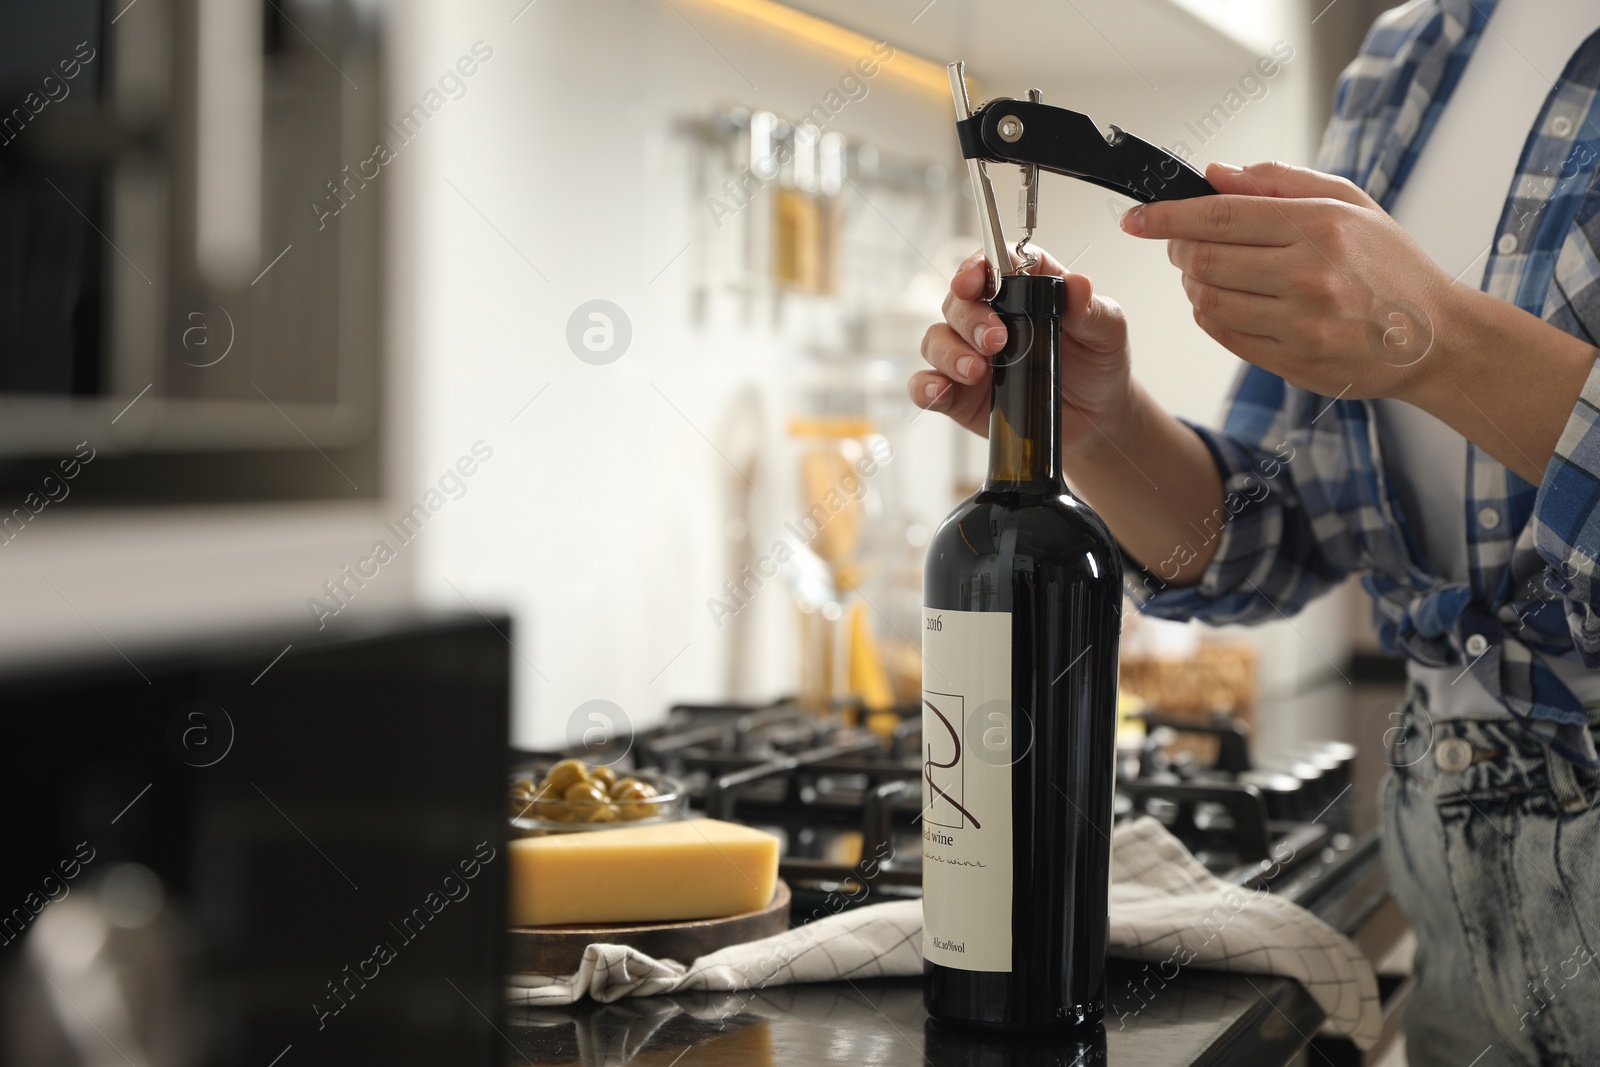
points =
(1264, 352)
(971, 279)
(1282, 180)
(1228, 219)
(976, 322)
(1093, 321)
(1247, 312)
(967, 405)
(967, 311)
(948, 353)
(1247, 268)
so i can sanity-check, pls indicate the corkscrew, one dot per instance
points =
(1037, 136)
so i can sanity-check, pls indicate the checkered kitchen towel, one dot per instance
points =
(1165, 908)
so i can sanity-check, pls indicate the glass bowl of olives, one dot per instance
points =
(573, 795)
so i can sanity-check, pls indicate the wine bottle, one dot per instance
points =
(1022, 603)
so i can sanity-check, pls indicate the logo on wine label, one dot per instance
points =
(598, 332)
(942, 766)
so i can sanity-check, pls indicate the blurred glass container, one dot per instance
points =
(807, 217)
(536, 818)
(848, 525)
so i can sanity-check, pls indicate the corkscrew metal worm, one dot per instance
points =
(1028, 205)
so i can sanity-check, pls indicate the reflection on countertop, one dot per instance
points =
(1198, 1018)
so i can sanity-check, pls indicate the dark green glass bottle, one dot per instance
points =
(1022, 598)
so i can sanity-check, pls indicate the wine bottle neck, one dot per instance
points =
(1025, 421)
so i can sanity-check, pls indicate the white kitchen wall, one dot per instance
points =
(557, 178)
(560, 179)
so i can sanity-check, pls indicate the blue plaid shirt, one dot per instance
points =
(1307, 499)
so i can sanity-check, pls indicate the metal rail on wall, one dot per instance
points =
(811, 172)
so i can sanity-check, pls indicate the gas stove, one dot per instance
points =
(843, 793)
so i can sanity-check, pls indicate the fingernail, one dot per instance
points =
(964, 367)
(931, 391)
(978, 335)
(1228, 168)
(1133, 219)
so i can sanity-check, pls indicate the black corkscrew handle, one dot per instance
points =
(1069, 143)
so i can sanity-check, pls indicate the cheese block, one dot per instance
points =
(695, 869)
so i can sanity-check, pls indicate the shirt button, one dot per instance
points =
(1453, 755)
(1561, 126)
(1477, 645)
(1507, 244)
(1488, 518)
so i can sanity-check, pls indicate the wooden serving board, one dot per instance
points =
(559, 949)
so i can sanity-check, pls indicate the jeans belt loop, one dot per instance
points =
(1571, 792)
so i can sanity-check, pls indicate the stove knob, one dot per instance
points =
(1337, 760)
(1313, 784)
(1284, 794)
(1334, 762)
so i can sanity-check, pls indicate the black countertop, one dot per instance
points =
(1204, 1017)
(1196, 1018)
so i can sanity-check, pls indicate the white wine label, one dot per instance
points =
(966, 789)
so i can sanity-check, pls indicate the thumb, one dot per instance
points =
(1093, 321)
(1282, 180)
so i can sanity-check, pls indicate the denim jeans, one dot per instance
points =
(1494, 854)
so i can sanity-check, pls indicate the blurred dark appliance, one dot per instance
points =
(169, 291)
(204, 852)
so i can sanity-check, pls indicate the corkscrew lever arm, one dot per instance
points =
(1068, 142)
(994, 245)
(1032, 134)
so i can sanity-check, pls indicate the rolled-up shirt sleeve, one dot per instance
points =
(1566, 520)
(1280, 537)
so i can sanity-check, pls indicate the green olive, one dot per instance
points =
(542, 803)
(585, 792)
(639, 802)
(565, 774)
(573, 792)
(586, 812)
(527, 798)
